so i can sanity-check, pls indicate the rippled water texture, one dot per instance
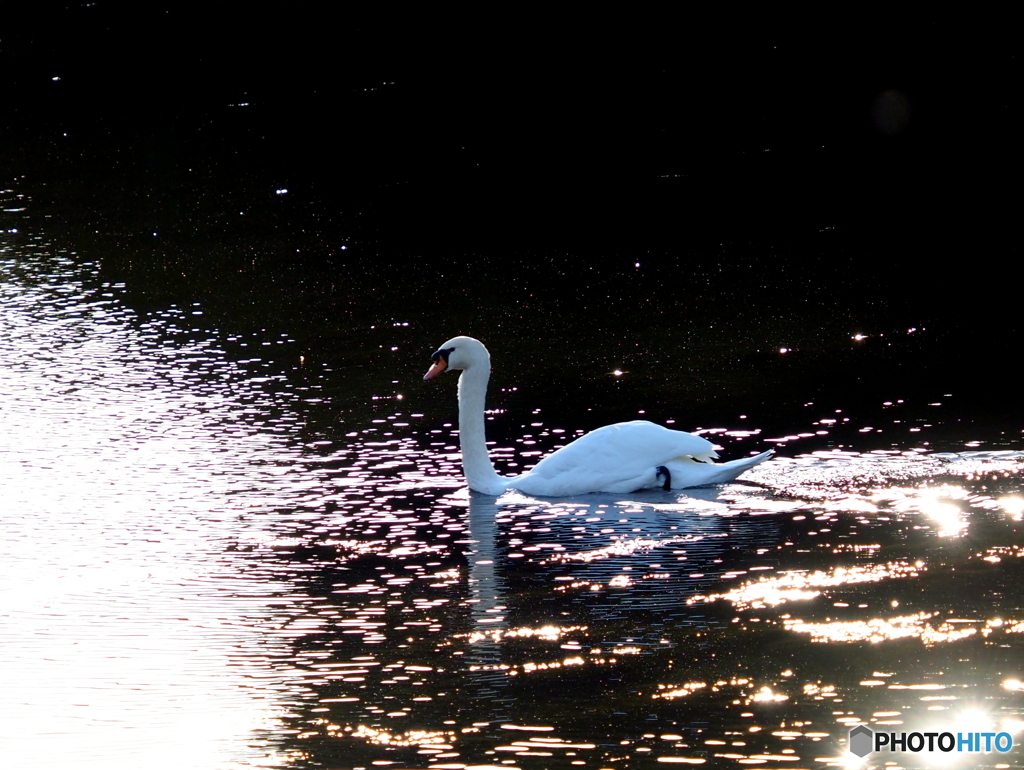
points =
(190, 578)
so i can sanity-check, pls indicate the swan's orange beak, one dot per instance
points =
(439, 366)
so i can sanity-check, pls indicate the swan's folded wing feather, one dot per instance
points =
(616, 458)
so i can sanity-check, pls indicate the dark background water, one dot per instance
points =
(782, 162)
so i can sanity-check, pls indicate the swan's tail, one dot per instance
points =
(698, 474)
(726, 472)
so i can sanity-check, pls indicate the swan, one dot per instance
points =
(624, 457)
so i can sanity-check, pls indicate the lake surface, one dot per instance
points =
(226, 545)
(234, 531)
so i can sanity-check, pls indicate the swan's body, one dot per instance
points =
(624, 457)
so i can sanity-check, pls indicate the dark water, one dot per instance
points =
(234, 531)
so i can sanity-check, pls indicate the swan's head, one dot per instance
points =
(458, 353)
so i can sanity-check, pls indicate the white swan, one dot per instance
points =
(624, 457)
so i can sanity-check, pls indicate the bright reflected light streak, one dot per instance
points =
(1012, 725)
(950, 519)
(767, 695)
(800, 585)
(544, 633)
(882, 630)
(1014, 507)
(680, 691)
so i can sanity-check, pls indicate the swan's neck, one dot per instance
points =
(476, 462)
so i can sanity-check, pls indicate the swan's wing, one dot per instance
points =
(616, 458)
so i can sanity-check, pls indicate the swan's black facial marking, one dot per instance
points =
(660, 471)
(443, 353)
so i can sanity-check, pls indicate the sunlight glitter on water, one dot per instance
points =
(795, 586)
(878, 629)
(122, 608)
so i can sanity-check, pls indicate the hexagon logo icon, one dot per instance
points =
(861, 740)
